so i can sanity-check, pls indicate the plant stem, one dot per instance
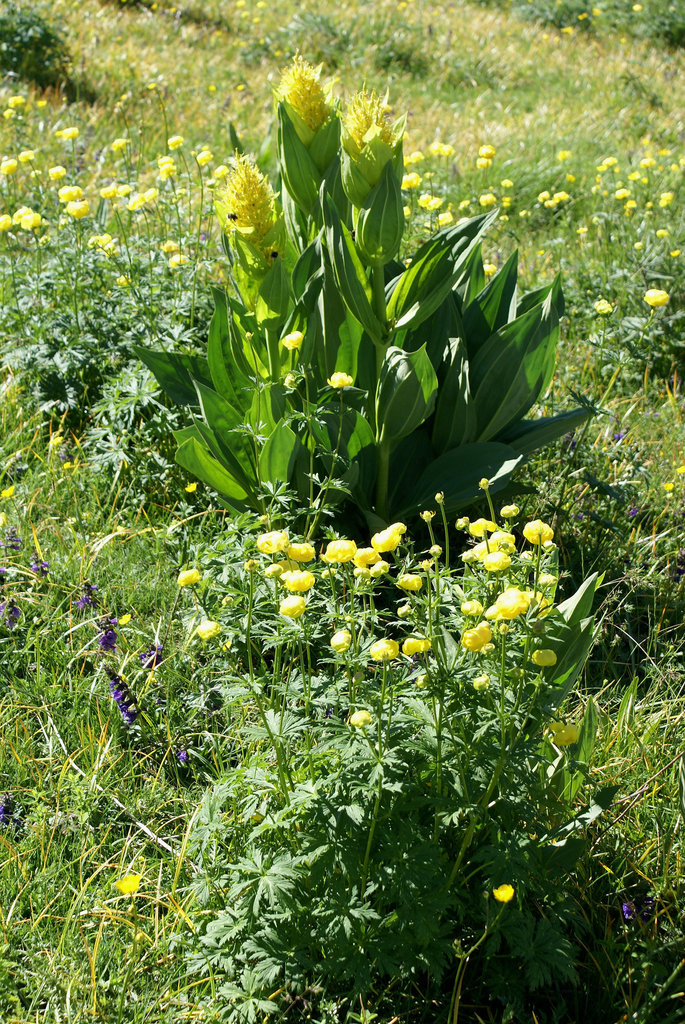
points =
(382, 479)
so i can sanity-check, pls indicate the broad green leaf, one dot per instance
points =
(273, 299)
(237, 448)
(307, 268)
(325, 145)
(342, 334)
(413, 451)
(227, 379)
(175, 372)
(509, 370)
(579, 605)
(267, 408)
(221, 446)
(473, 279)
(247, 345)
(457, 473)
(380, 221)
(195, 458)
(529, 435)
(492, 308)
(454, 422)
(434, 271)
(277, 461)
(407, 389)
(298, 171)
(538, 295)
(349, 272)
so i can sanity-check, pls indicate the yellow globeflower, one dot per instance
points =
(537, 532)
(5, 222)
(416, 645)
(390, 538)
(341, 380)
(208, 628)
(409, 581)
(340, 551)
(292, 607)
(175, 142)
(8, 166)
(479, 527)
(301, 552)
(128, 885)
(603, 307)
(656, 297)
(340, 641)
(384, 650)
(487, 152)
(293, 341)
(270, 543)
(188, 577)
(472, 608)
(379, 569)
(70, 192)
(360, 719)
(503, 893)
(78, 209)
(366, 557)
(544, 658)
(496, 561)
(512, 603)
(475, 639)
(564, 735)
(297, 581)
(411, 180)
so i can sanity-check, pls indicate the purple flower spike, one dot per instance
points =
(123, 698)
(153, 657)
(108, 640)
(628, 911)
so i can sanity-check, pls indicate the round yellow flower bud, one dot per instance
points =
(404, 611)
(340, 641)
(207, 629)
(409, 581)
(416, 645)
(301, 552)
(188, 577)
(384, 650)
(273, 571)
(360, 719)
(509, 511)
(379, 569)
(544, 658)
(475, 639)
(503, 893)
(292, 607)
(340, 551)
(482, 682)
(298, 582)
(537, 532)
(270, 543)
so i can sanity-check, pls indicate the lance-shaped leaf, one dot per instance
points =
(227, 379)
(273, 299)
(529, 435)
(229, 442)
(492, 308)
(300, 174)
(407, 389)
(279, 454)
(175, 372)
(194, 457)
(457, 473)
(511, 369)
(348, 270)
(434, 271)
(380, 221)
(454, 422)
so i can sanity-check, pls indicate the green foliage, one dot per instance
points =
(425, 415)
(31, 47)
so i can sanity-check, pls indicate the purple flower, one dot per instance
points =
(41, 568)
(12, 540)
(628, 911)
(632, 511)
(123, 698)
(153, 657)
(9, 613)
(87, 598)
(108, 640)
(182, 756)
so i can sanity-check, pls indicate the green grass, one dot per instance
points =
(91, 799)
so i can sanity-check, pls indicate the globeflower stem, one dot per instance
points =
(382, 479)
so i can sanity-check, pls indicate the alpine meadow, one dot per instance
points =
(342, 512)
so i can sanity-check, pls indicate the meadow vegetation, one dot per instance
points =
(268, 752)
